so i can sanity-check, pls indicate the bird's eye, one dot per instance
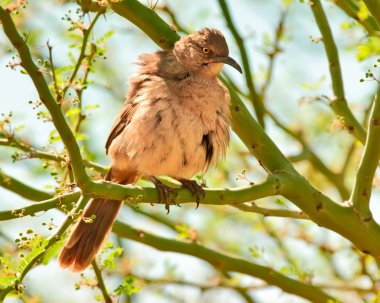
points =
(206, 50)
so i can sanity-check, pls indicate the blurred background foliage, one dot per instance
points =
(290, 73)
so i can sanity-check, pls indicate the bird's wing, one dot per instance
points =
(159, 65)
(121, 121)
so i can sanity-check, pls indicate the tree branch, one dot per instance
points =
(101, 285)
(143, 17)
(22, 189)
(316, 162)
(61, 202)
(271, 212)
(35, 153)
(253, 95)
(46, 97)
(338, 102)
(224, 262)
(362, 189)
(352, 9)
(136, 194)
(272, 54)
(82, 54)
(374, 7)
(53, 239)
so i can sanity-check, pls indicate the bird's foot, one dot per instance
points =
(195, 189)
(164, 192)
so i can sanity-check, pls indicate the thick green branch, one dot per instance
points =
(338, 102)
(254, 137)
(143, 17)
(325, 212)
(224, 262)
(316, 162)
(361, 192)
(22, 189)
(253, 95)
(46, 97)
(374, 7)
(136, 194)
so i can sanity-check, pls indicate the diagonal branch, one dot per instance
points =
(374, 8)
(53, 239)
(361, 192)
(253, 95)
(138, 14)
(82, 54)
(22, 189)
(272, 54)
(46, 97)
(314, 160)
(101, 285)
(338, 102)
(351, 8)
(224, 262)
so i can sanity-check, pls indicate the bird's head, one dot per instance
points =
(205, 51)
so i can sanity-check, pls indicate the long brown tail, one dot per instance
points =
(87, 238)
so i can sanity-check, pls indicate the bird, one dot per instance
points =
(175, 122)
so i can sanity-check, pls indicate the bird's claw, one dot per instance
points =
(164, 193)
(195, 189)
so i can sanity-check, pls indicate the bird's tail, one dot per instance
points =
(88, 236)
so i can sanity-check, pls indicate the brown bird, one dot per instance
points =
(175, 122)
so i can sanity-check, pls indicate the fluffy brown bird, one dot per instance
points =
(175, 122)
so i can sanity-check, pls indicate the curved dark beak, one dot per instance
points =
(229, 61)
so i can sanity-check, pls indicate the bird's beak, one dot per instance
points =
(229, 61)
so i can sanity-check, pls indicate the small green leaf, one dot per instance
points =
(7, 280)
(91, 106)
(72, 112)
(280, 202)
(52, 251)
(30, 257)
(127, 287)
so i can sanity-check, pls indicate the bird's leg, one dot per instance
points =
(195, 189)
(163, 192)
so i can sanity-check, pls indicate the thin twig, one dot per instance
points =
(82, 54)
(46, 97)
(32, 152)
(271, 212)
(53, 239)
(101, 284)
(273, 54)
(338, 103)
(52, 67)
